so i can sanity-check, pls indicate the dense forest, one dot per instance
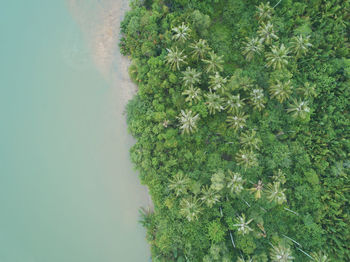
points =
(242, 126)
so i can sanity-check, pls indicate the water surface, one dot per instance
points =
(67, 189)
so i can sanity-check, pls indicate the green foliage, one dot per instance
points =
(263, 107)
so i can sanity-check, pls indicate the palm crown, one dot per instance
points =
(199, 49)
(214, 102)
(190, 208)
(249, 140)
(267, 33)
(235, 182)
(214, 63)
(191, 77)
(179, 184)
(278, 57)
(237, 121)
(300, 45)
(234, 103)
(299, 109)
(243, 225)
(188, 121)
(181, 32)
(217, 82)
(281, 90)
(246, 158)
(251, 47)
(175, 58)
(281, 253)
(264, 11)
(275, 193)
(192, 94)
(210, 196)
(257, 99)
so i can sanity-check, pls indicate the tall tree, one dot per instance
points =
(188, 121)
(199, 49)
(252, 47)
(181, 32)
(175, 58)
(190, 208)
(300, 45)
(281, 90)
(267, 33)
(278, 57)
(191, 77)
(214, 63)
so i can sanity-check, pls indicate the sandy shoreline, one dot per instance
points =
(102, 30)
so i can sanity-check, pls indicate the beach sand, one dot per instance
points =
(102, 31)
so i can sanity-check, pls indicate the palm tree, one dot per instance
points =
(200, 48)
(209, 196)
(190, 208)
(214, 102)
(217, 82)
(237, 121)
(320, 257)
(241, 259)
(191, 77)
(246, 158)
(218, 181)
(281, 90)
(279, 176)
(249, 140)
(257, 99)
(267, 33)
(181, 32)
(252, 46)
(214, 63)
(175, 58)
(299, 109)
(264, 11)
(275, 193)
(193, 94)
(243, 225)
(307, 90)
(300, 45)
(278, 56)
(235, 182)
(234, 103)
(179, 184)
(188, 121)
(257, 189)
(281, 253)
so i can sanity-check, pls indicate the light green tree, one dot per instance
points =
(249, 140)
(281, 253)
(278, 57)
(264, 11)
(214, 102)
(181, 32)
(218, 181)
(307, 90)
(267, 33)
(300, 45)
(299, 109)
(246, 158)
(190, 208)
(242, 225)
(257, 99)
(199, 49)
(209, 196)
(280, 90)
(214, 63)
(234, 104)
(179, 184)
(192, 94)
(274, 193)
(217, 82)
(188, 121)
(235, 182)
(175, 58)
(191, 77)
(252, 47)
(237, 121)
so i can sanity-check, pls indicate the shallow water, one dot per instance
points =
(67, 188)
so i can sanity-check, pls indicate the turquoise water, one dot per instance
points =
(67, 189)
